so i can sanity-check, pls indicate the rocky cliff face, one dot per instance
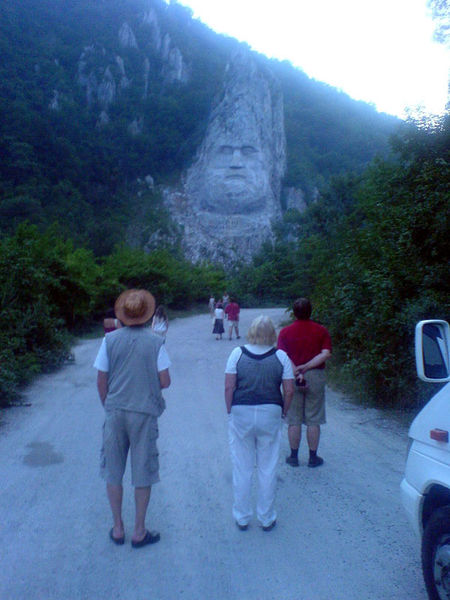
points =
(231, 193)
(103, 75)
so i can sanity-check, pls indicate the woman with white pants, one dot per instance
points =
(253, 376)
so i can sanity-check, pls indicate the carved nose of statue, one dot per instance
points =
(236, 159)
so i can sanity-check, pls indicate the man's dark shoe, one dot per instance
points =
(315, 461)
(150, 537)
(292, 460)
(241, 527)
(270, 527)
(119, 541)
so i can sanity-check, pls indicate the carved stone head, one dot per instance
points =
(242, 157)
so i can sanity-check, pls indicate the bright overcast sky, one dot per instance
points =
(377, 51)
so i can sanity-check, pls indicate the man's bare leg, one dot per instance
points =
(294, 436)
(313, 436)
(115, 495)
(142, 498)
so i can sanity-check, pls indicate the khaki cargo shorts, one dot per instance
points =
(124, 431)
(308, 407)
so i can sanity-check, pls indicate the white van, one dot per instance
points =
(425, 488)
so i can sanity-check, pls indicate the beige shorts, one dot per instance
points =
(308, 407)
(233, 323)
(137, 433)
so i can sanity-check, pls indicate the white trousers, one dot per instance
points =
(254, 434)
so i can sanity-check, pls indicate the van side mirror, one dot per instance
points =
(433, 351)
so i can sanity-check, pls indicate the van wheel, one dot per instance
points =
(436, 554)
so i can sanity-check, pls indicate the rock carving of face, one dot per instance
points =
(236, 178)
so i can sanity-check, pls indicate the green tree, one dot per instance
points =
(389, 266)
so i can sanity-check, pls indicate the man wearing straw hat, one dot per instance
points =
(133, 367)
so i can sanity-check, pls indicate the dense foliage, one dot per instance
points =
(373, 253)
(50, 290)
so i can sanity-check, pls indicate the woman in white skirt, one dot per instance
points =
(253, 398)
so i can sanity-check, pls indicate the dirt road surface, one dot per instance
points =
(341, 532)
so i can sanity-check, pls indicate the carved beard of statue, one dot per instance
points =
(235, 178)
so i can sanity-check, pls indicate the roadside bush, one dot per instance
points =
(38, 296)
(172, 280)
(388, 268)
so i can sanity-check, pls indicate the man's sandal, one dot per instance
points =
(150, 537)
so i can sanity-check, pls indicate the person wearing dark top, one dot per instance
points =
(253, 376)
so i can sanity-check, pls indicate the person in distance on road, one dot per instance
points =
(110, 322)
(225, 300)
(308, 345)
(160, 322)
(218, 321)
(253, 376)
(232, 311)
(133, 368)
(211, 305)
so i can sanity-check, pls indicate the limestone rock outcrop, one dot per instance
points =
(136, 126)
(231, 193)
(175, 68)
(106, 91)
(295, 199)
(146, 77)
(103, 74)
(103, 119)
(150, 20)
(54, 102)
(124, 81)
(127, 38)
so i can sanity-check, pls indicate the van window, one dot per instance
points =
(433, 344)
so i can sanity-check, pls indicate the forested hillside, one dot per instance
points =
(90, 102)
(86, 117)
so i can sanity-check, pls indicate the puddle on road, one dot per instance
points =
(42, 454)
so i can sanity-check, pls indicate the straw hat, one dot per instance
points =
(134, 307)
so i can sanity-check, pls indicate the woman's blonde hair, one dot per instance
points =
(262, 332)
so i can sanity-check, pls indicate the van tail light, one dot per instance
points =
(440, 435)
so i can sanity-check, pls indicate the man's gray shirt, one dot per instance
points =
(133, 379)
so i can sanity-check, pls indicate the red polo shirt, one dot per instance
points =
(232, 311)
(303, 340)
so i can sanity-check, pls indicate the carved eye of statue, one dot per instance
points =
(226, 150)
(248, 150)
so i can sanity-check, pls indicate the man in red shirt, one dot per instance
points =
(232, 311)
(308, 345)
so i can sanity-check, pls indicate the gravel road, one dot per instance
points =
(341, 531)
